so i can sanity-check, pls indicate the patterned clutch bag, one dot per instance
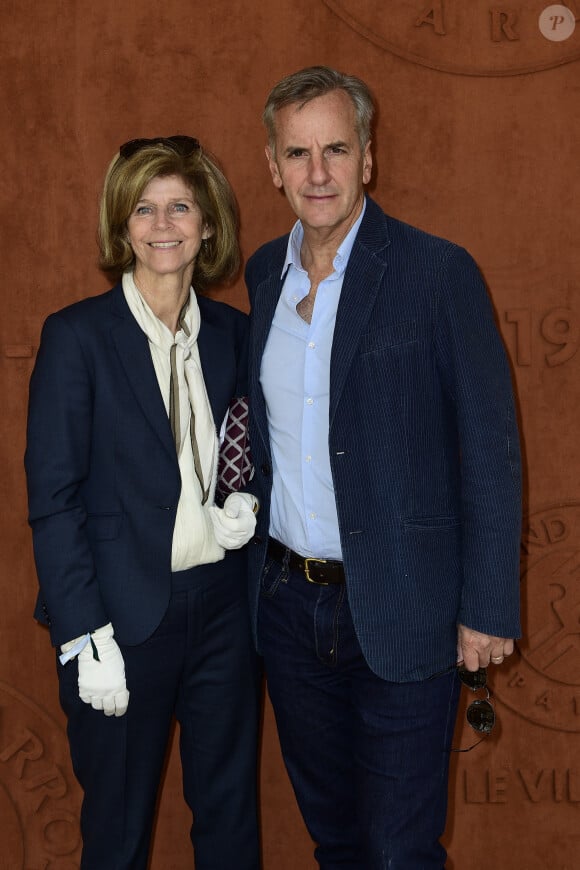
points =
(235, 467)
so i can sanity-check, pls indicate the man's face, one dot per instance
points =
(319, 163)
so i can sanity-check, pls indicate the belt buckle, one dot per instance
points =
(307, 571)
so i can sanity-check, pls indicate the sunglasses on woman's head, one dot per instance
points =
(183, 145)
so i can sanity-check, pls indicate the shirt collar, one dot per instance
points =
(341, 257)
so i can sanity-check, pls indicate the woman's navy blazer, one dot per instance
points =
(103, 476)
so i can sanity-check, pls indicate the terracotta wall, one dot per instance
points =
(477, 140)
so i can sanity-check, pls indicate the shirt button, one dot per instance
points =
(308, 458)
(313, 516)
(311, 344)
(309, 400)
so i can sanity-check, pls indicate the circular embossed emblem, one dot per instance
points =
(39, 798)
(466, 38)
(541, 682)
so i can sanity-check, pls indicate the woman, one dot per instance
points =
(142, 581)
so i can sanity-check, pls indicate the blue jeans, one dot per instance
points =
(368, 759)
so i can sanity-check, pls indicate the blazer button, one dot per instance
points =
(265, 469)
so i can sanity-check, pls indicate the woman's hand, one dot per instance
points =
(101, 671)
(234, 524)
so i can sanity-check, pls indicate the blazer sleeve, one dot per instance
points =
(57, 462)
(476, 375)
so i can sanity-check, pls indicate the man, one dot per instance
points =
(387, 468)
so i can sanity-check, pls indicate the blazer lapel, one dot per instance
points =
(209, 342)
(133, 350)
(360, 287)
(264, 305)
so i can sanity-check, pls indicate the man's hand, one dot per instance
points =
(234, 524)
(477, 650)
(102, 673)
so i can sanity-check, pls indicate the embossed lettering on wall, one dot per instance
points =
(39, 799)
(478, 38)
(537, 785)
(550, 337)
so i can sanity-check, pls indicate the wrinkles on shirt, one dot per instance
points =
(295, 379)
(296, 384)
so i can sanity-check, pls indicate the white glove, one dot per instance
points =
(101, 671)
(234, 524)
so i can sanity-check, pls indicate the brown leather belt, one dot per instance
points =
(320, 571)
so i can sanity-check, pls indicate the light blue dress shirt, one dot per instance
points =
(295, 379)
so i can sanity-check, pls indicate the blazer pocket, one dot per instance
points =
(431, 524)
(103, 527)
(395, 334)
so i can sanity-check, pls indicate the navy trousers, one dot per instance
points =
(199, 666)
(368, 759)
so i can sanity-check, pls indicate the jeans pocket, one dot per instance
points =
(327, 623)
(273, 574)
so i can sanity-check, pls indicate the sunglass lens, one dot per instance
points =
(474, 680)
(129, 148)
(481, 716)
(186, 145)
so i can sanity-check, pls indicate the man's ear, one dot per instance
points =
(367, 164)
(274, 171)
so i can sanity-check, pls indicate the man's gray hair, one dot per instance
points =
(316, 81)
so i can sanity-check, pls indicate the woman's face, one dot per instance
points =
(166, 230)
